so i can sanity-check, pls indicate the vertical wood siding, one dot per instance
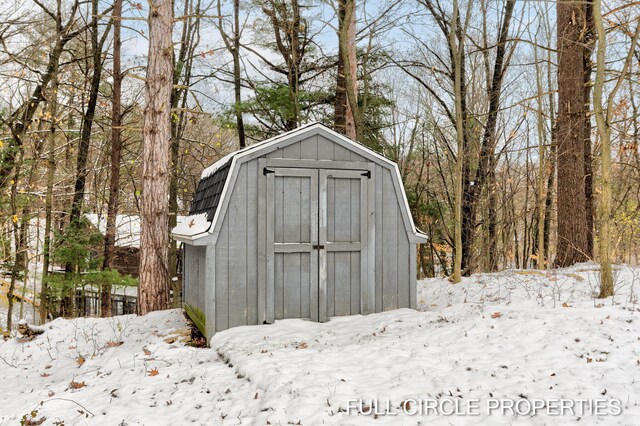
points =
(238, 254)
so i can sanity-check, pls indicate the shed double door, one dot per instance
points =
(316, 242)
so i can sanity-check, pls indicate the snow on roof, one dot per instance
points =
(192, 225)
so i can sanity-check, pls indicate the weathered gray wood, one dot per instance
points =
(208, 279)
(314, 257)
(317, 164)
(355, 269)
(269, 240)
(402, 279)
(237, 252)
(222, 279)
(292, 151)
(340, 152)
(371, 267)
(379, 246)
(345, 211)
(292, 247)
(278, 287)
(343, 246)
(390, 247)
(291, 213)
(277, 153)
(358, 232)
(325, 149)
(305, 290)
(342, 233)
(413, 285)
(355, 156)
(322, 239)
(292, 285)
(295, 206)
(262, 242)
(309, 148)
(252, 242)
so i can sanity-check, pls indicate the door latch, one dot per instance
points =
(318, 247)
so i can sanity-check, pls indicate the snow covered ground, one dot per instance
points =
(526, 337)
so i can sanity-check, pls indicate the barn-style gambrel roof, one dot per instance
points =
(216, 184)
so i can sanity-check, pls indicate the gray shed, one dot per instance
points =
(308, 224)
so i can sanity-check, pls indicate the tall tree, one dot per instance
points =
(573, 221)
(456, 37)
(96, 61)
(116, 157)
(51, 168)
(153, 290)
(587, 54)
(604, 118)
(485, 173)
(232, 44)
(346, 80)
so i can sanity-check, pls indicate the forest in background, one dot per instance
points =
(515, 124)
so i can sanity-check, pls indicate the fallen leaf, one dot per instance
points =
(147, 352)
(80, 361)
(112, 344)
(77, 385)
(496, 315)
(45, 375)
(589, 360)
(303, 345)
(566, 305)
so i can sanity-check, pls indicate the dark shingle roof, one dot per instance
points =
(209, 192)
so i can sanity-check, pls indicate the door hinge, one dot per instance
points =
(266, 171)
(318, 247)
(367, 174)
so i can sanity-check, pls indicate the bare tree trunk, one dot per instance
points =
(603, 121)
(116, 157)
(542, 181)
(455, 45)
(604, 131)
(588, 43)
(51, 169)
(232, 44)
(87, 118)
(346, 82)
(485, 176)
(153, 290)
(19, 245)
(573, 223)
(237, 81)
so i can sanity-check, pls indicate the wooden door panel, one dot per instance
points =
(343, 233)
(292, 261)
